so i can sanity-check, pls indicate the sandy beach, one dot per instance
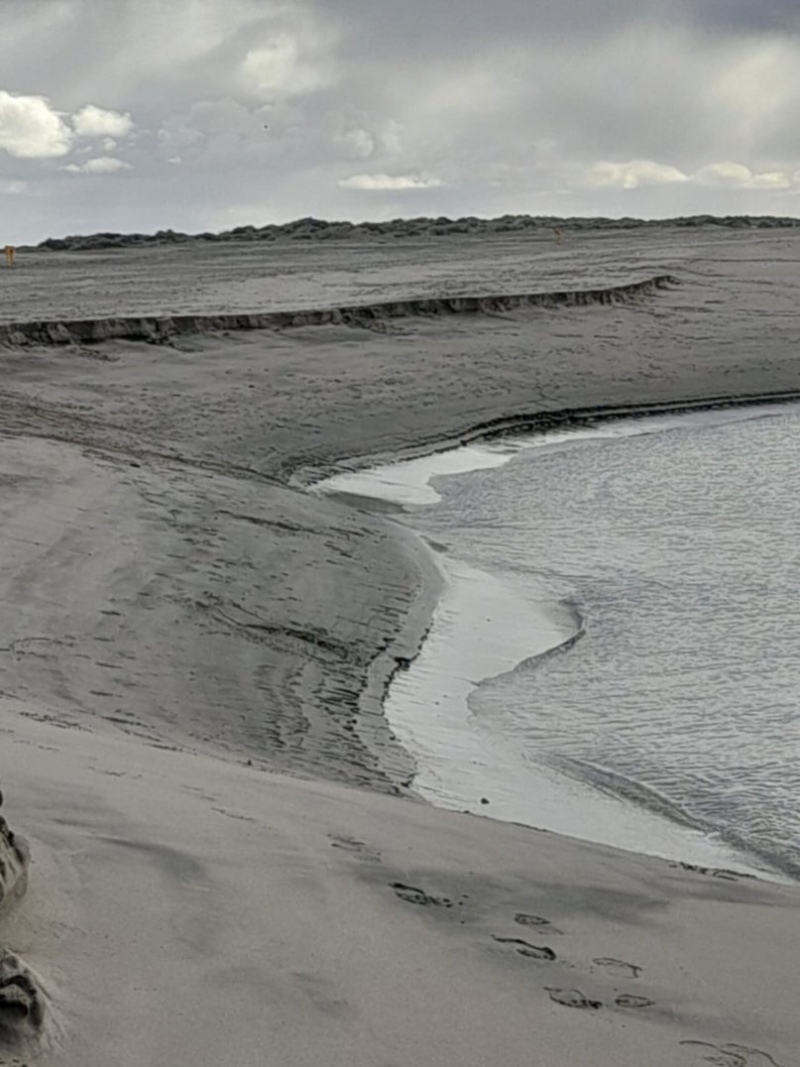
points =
(228, 861)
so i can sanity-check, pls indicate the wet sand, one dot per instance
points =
(195, 652)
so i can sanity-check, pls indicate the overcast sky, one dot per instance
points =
(207, 114)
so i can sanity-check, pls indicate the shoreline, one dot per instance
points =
(563, 803)
(536, 423)
(299, 457)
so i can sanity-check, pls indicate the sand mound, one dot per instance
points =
(22, 1002)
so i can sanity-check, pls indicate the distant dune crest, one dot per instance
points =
(551, 228)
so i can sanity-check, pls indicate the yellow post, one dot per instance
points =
(9, 251)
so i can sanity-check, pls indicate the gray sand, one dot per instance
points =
(167, 586)
(306, 592)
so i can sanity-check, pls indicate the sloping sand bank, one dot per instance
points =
(183, 909)
(172, 608)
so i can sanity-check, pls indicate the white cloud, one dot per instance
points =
(31, 129)
(773, 179)
(98, 165)
(632, 175)
(642, 173)
(13, 188)
(93, 121)
(382, 182)
(738, 176)
(284, 67)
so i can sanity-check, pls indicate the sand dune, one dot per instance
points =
(228, 864)
(320, 230)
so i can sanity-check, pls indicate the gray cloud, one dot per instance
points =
(745, 16)
(199, 114)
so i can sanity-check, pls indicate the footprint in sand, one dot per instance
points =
(524, 948)
(629, 1000)
(22, 1002)
(730, 1055)
(573, 998)
(618, 967)
(412, 895)
(524, 919)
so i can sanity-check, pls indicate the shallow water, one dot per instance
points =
(638, 681)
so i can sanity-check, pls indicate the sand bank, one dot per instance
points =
(172, 608)
(188, 909)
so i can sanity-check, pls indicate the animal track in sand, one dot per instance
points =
(536, 920)
(618, 967)
(356, 847)
(411, 895)
(524, 948)
(572, 998)
(731, 1055)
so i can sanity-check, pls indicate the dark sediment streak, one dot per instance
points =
(585, 418)
(157, 329)
(542, 422)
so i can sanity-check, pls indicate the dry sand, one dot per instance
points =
(194, 653)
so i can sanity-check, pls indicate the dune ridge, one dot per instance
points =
(157, 329)
(421, 227)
